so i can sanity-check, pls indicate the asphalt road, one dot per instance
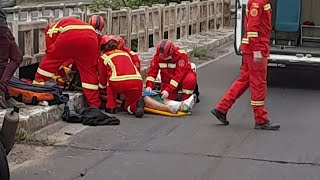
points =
(196, 147)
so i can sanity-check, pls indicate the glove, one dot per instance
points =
(165, 94)
(257, 56)
(148, 89)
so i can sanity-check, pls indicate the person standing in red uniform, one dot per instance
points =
(120, 76)
(176, 72)
(71, 38)
(253, 72)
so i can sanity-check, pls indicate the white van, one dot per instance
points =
(295, 40)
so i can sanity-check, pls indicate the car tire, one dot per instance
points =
(4, 167)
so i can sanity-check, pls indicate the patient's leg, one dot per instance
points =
(169, 106)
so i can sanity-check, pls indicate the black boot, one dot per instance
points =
(140, 109)
(196, 92)
(111, 111)
(220, 116)
(268, 125)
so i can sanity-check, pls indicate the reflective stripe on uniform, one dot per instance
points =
(245, 41)
(171, 65)
(129, 110)
(132, 53)
(101, 86)
(60, 29)
(267, 7)
(187, 91)
(45, 73)
(37, 82)
(90, 86)
(167, 65)
(107, 59)
(252, 34)
(182, 51)
(174, 83)
(149, 78)
(114, 76)
(257, 103)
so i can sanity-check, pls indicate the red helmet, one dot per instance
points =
(105, 39)
(97, 22)
(165, 49)
(121, 42)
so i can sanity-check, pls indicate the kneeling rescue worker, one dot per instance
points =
(71, 38)
(253, 72)
(120, 76)
(176, 72)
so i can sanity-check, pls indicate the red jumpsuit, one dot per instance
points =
(176, 74)
(253, 74)
(134, 57)
(118, 73)
(74, 39)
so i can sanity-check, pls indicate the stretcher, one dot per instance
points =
(159, 112)
(154, 111)
(164, 113)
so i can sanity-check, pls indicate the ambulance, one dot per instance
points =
(295, 36)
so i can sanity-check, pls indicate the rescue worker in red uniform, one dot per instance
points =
(176, 72)
(62, 75)
(71, 38)
(119, 75)
(253, 72)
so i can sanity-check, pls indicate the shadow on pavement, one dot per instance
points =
(304, 78)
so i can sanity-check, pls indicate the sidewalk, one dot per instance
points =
(34, 118)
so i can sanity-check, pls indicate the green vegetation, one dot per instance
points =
(200, 52)
(22, 136)
(114, 4)
(117, 4)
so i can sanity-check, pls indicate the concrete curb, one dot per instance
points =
(34, 118)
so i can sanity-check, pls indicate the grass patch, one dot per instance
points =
(200, 52)
(23, 137)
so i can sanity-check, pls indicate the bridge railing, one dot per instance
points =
(141, 28)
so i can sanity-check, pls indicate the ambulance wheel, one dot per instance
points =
(4, 167)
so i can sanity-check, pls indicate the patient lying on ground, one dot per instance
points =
(155, 102)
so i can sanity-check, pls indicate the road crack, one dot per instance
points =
(192, 154)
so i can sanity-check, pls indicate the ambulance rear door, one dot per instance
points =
(240, 11)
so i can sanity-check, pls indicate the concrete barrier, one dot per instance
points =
(143, 27)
